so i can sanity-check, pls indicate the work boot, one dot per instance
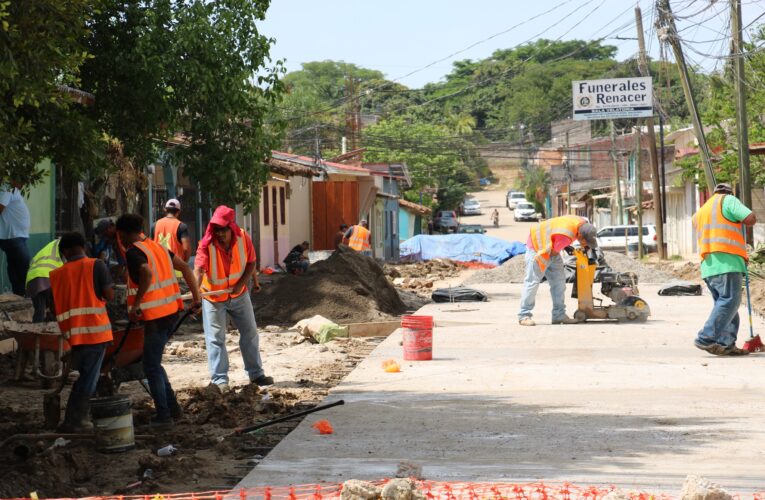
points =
(526, 322)
(158, 422)
(715, 349)
(77, 415)
(565, 320)
(735, 351)
(176, 411)
(262, 380)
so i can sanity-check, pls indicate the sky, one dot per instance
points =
(413, 41)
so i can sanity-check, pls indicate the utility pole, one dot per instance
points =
(737, 50)
(617, 177)
(656, 186)
(663, 172)
(667, 32)
(569, 210)
(639, 190)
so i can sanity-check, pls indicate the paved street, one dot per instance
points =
(629, 404)
(508, 229)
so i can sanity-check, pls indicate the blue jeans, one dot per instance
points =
(17, 263)
(556, 277)
(155, 337)
(722, 325)
(87, 359)
(214, 317)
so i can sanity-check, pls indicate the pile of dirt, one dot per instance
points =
(511, 271)
(346, 288)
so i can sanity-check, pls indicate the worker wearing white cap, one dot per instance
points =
(171, 233)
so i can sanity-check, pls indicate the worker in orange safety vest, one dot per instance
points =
(546, 240)
(358, 237)
(719, 225)
(171, 233)
(154, 297)
(81, 287)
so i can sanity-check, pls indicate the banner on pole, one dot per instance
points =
(613, 98)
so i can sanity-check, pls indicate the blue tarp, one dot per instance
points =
(460, 247)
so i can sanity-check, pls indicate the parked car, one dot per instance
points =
(471, 229)
(470, 206)
(525, 211)
(513, 197)
(613, 237)
(446, 221)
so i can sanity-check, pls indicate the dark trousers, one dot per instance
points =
(87, 359)
(155, 337)
(17, 258)
(43, 304)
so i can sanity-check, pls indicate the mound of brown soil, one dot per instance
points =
(346, 288)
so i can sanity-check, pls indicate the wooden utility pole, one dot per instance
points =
(667, 32)
(656, 185)
(737, 49)
(639, 190)
(617, 177)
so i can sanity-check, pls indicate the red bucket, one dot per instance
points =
(418, 337)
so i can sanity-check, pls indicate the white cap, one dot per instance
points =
(173, 203)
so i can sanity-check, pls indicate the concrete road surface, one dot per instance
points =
(508, 229)
(634, 405)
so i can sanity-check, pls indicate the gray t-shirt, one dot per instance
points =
(14, 221)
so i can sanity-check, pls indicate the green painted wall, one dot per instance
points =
(41, 202)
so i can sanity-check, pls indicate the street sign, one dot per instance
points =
(613, 98)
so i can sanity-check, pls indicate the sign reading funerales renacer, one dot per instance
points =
(613, 98)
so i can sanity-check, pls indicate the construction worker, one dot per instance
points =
(14, 233)
(296, 261)
(154, 297)
(719, 228)
(171, 233)
(81, 287)
(546, 240)
(340, 235)
(224, 264)
(38, 281)
(358, 237)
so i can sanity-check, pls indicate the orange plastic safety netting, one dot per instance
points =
(432, 491)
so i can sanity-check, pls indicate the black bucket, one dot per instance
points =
(113, 423)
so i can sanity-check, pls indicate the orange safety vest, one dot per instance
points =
(542, 233)
(81, 315)
(359, 239)
(163, 297)
(216, 279)
(715, 233)
(166, 234)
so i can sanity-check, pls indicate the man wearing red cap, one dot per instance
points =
(224, 264)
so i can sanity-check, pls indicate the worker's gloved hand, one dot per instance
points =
(569, 250)
(135, 313)
(592, 257)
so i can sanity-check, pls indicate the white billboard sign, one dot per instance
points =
(613, 98)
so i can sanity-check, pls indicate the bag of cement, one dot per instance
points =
(458, 294)
(680, 288)
(320, 328)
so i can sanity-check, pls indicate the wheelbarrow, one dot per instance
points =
(34, 340)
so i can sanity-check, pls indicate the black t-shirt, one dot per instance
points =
(101, 277)
(135, 259)
(295, 254)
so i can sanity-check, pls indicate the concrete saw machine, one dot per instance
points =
(621, 288)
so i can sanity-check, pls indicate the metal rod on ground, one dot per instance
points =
(656, 187)
(251, 428)
(737, 50)
(617, 177)
(667, 32)
(639, 190)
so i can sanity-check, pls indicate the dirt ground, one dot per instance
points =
(209, 457)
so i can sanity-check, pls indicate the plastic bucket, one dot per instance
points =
(113, 424)
(418, 337)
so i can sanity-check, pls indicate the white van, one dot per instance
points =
(613, 237)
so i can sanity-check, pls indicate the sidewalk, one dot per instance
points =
(629, 404)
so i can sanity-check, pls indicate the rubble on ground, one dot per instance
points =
(353, 489)
(420, 277)
(347, 288)
(401, 489)
(699, 488)
(511, 271)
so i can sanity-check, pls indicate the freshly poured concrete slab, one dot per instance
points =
(632, 404)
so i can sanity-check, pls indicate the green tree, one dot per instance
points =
(535, 183)
(42, 52)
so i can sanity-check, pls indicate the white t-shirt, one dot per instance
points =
(14, 221)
